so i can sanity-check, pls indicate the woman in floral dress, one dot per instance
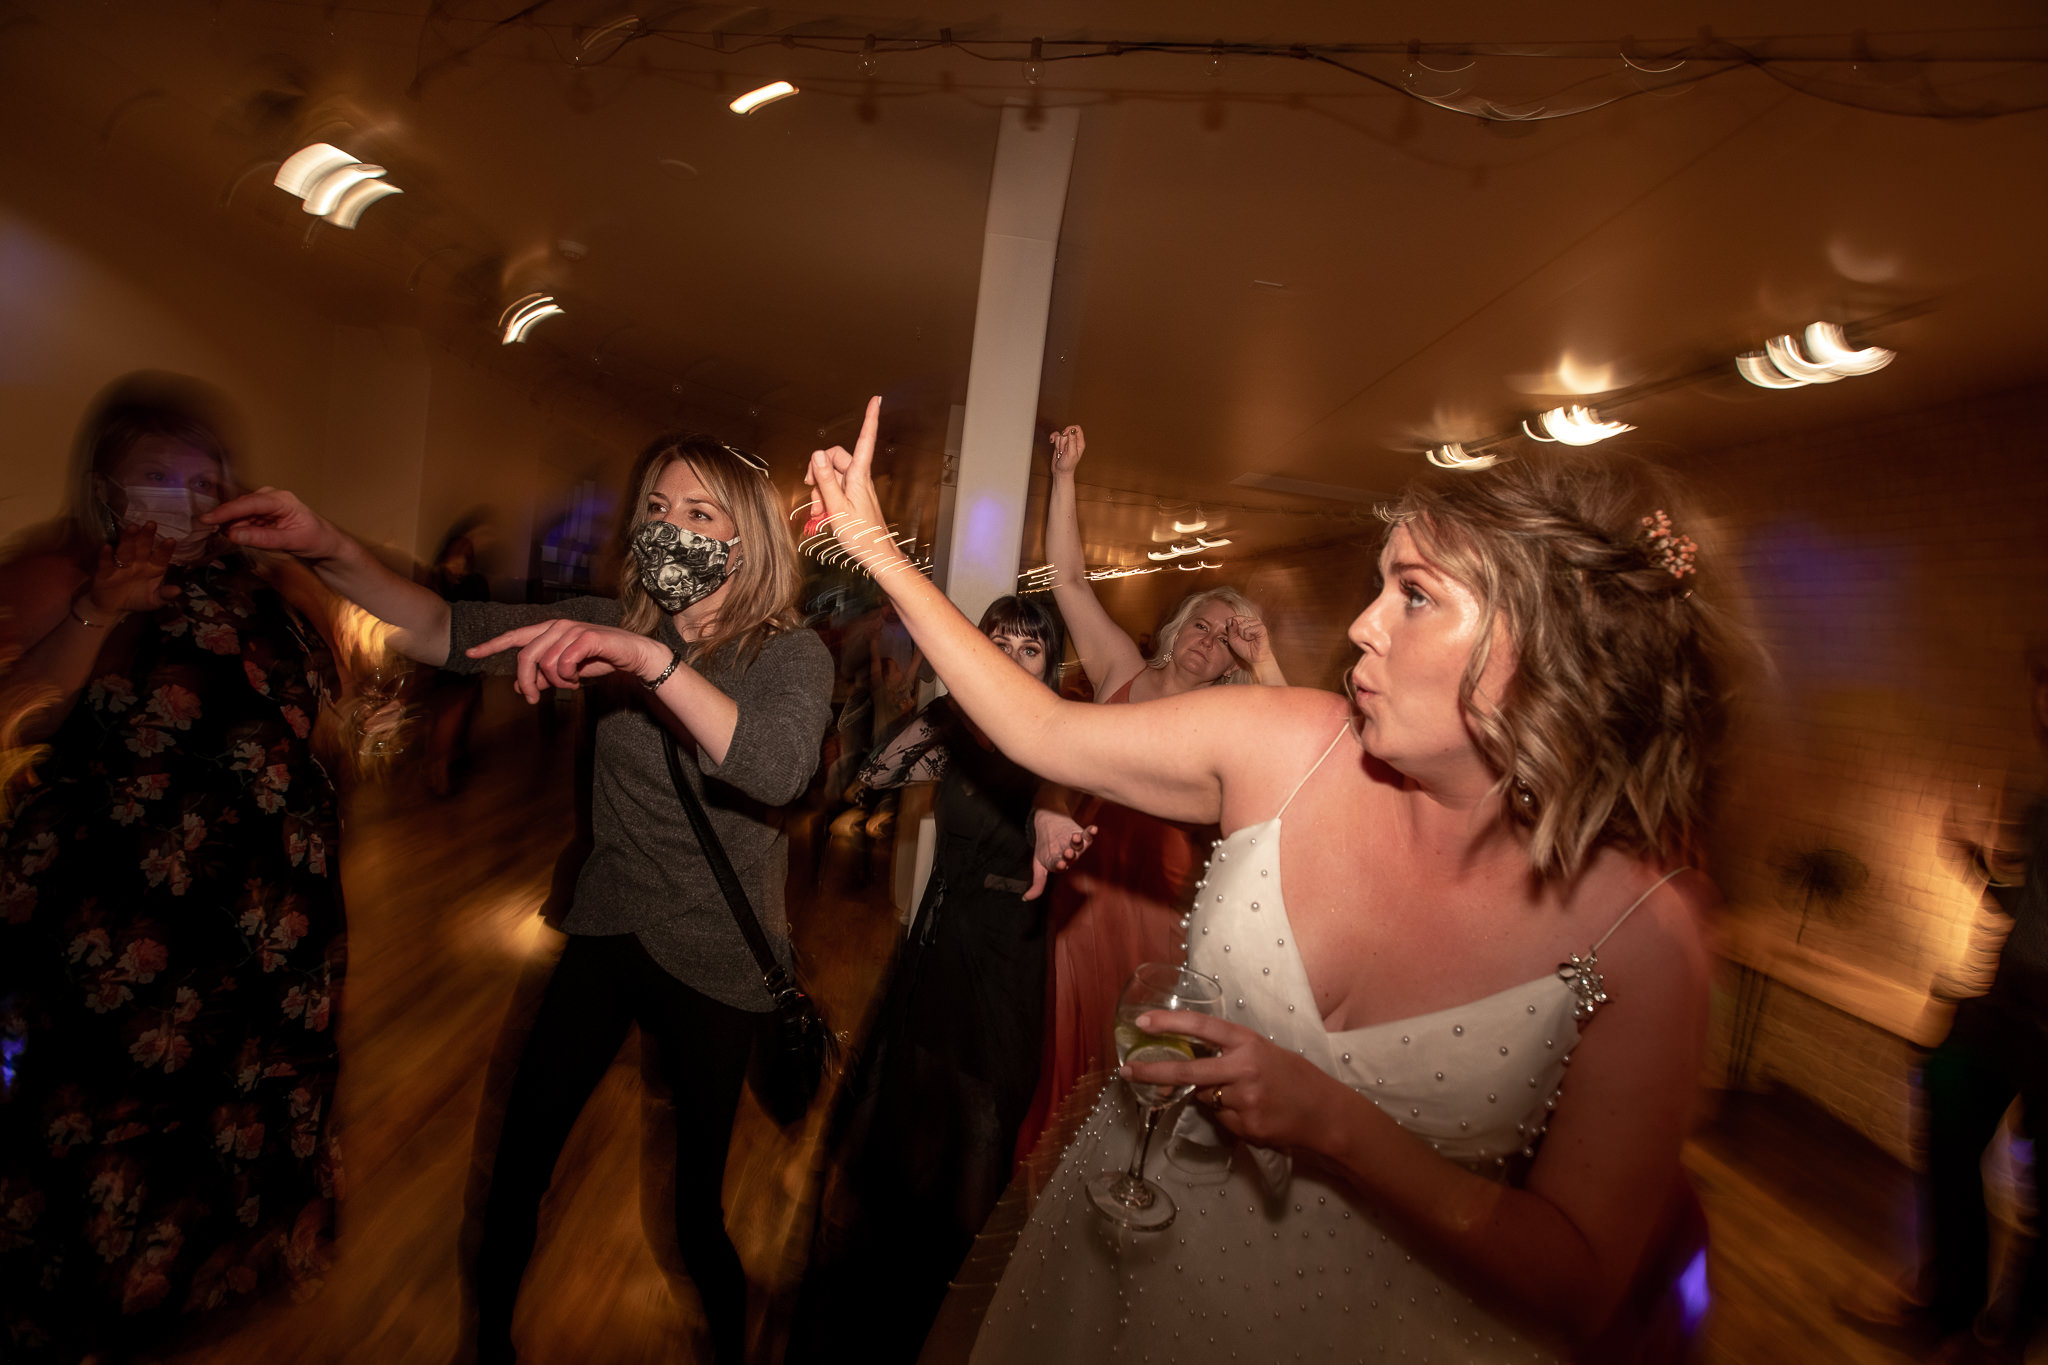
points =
(171, 928)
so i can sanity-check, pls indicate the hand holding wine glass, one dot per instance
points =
(1126, 1197)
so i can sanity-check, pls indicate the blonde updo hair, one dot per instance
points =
(1170, 629)
(1608, 731)
(762, 590)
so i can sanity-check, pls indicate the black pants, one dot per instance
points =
(1967, 1088)
(601, 986)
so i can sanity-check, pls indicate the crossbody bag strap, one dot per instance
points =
(772, 973)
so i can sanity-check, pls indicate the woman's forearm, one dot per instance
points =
(44, 682)
(418, 616)
(710, 716)
(1517, 1247)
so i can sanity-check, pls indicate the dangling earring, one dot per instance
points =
(1524, 796)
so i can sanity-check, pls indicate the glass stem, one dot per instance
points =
(1137, 1170)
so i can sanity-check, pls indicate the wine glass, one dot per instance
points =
(1125, 1197)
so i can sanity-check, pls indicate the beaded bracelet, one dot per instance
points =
(675, 661)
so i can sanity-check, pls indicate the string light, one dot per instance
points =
(1840, 69)
(1125, 571)
(1188, 528)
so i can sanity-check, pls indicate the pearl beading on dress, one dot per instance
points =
(1253, 1271)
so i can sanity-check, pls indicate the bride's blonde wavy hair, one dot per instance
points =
(1608, 731)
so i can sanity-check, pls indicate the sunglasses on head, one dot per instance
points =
(747, 458)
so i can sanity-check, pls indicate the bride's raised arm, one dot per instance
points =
(1164, 757)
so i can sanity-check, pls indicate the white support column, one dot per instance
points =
(981, 517)
(1026, 199)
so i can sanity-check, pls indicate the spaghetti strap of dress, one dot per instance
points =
(1638, 901)
(1342, 731)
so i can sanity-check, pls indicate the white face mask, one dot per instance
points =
(175, 511)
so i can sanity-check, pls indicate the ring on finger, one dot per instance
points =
(1214, 1097)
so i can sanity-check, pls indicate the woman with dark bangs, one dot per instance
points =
(1432, 1140)
(921, 1144)
(701, 647)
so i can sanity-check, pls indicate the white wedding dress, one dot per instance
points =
(1265, 1263)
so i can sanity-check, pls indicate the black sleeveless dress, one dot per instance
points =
(922, 1143)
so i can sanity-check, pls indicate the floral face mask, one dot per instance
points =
(678, 567)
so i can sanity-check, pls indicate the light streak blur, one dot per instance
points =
(334, 186)
(1451, 455)
(1575, 426)
(1828, 357)
(764, 95)
(521, 317)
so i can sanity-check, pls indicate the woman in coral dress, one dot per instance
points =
(1121, 904)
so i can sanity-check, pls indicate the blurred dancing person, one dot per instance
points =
(701, 643)
(171, 929)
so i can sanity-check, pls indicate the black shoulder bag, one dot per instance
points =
(787, 1070)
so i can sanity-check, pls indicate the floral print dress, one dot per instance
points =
(171, 953)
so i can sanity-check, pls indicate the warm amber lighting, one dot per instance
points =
(1827, 358)
(520, 318)
(1575, 426)
(767, 94)
(1451, 455)
(334, 185)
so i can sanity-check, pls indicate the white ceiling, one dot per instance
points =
(1276, 268)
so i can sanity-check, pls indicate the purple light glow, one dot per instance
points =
(1692, 1292)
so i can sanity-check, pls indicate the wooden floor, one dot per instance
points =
(445, 945)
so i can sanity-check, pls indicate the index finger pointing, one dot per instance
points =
(864, 448)
(515, 638)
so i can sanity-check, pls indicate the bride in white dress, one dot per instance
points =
(1458, 1053)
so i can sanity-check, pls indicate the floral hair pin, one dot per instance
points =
(1670, 551)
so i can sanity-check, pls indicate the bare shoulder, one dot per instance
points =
(1267, 738)
(1660, 953)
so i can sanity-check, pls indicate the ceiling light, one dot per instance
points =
(1451, 455)
(1827, 357)
(1188, 528)
(1195, 567)
(1203, 542)
(304, 168)
(1829, 346)
(767, 94)
(1575, 426)
(334, 185)
(1758, 370)
(520, 318)
(358, 197)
